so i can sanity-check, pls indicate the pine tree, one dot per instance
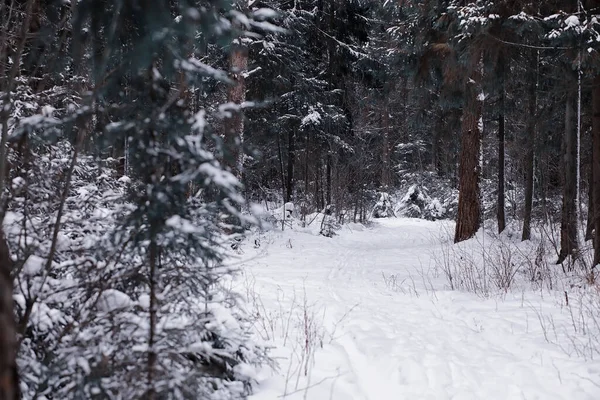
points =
(118, 269)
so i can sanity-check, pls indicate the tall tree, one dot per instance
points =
(465, 35)
(468, 219)
(568, 225)
(137, 303)
(595, 206)
(236, 95)
(9, 378)
(500, 206)
(529, 153)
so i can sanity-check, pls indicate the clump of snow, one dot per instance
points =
(44, 318)
(183, 225)
(102, 213)
(48, 110)
(33, 265)
(124, 179)
(245, 371)
(312, 118)
(264, 13)
(289, 209)
(144, 301)
(572, 21)
(112, 300)
(18, 183)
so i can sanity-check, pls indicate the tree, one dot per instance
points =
(468, 45)
(596, 168)
(118, 269)
(530, 151)
(500, 212)
(468, 219)
(236, 96)
(305, 76)
(568, 226)
(9, 378)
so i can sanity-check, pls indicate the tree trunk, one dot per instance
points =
(9, 378)
(436, 159)
(529, 159)
(280, 165)
(501, 126)
(386, 162)
(291, 159)
(236, 94)
(469, 202)
(7, 85)
(328, 177)
(318, 190)
(568, 225)
(152, 355)
(306, 164)
(596, 167)
(589, 227)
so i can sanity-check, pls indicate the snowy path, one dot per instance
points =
(409, 340)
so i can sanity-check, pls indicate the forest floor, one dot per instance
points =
(368, 315)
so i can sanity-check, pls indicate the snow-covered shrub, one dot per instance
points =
(416, 203)
(583, 306)
(284, 216)
(329, 224)
(384, 207)
(492, 262)
(427, 195)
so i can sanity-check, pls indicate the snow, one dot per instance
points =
(199, 124)
(264, 13)
(365, 315)
(313, 118)
(18, 183)
(33, 265)
(124, 179)
(572, 21)
(183, 225)
(48, 110)
(111, 300)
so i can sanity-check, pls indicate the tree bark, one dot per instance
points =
(529, 160)
(7, 85)
(152, 355)
(386, 162)
(596, 167)
(318, 190)
(328, 179)
(436, 159)
(280, 164)
(500, 214)
(236, 94)
(568, 225)
(589, 227)
(9, 377)
(469, 202)
(291, 159)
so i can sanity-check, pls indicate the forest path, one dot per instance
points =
(370, 306)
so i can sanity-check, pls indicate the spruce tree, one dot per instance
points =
(120, 285)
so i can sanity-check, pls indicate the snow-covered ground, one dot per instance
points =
(365, 315)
